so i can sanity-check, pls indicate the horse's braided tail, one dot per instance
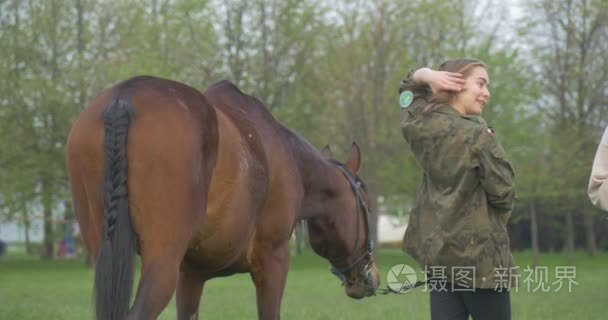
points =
(115, 263)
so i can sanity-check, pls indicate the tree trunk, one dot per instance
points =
(300, 230)
(534, 234)
(80, 56)
(590, 233)
(26, 231)
(47, 206)
(570, 237)
(47, 251)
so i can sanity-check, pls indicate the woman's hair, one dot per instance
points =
(463, 66)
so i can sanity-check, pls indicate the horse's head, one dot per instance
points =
(342, 233)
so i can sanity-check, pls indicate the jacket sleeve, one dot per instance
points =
(422, 91)
(598, 182)
(496, 174)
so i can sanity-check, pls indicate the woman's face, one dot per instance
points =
(475, 93)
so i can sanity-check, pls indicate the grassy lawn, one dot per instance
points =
(33, 289)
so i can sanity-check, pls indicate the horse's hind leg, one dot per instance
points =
(163, 244)
(165, 226)
(166, 214)
(188, 294)
(169, 174)
(159, 277)
(88, 213)
(84, 163)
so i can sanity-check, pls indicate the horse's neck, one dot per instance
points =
(318, 176)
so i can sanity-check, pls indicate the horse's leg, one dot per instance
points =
(164, 235)
(168, 187)
(188, 295)
(163, 246)
(163, 242)
(88, 213)
(85, 187)
(156, 287)
(269, 268)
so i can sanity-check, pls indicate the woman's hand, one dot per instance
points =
(440, 80)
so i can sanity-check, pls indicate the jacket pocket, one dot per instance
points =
(502, 255)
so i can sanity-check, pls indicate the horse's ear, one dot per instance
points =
(326, 151)
(353, 162)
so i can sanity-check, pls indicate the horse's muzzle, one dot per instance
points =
(365, 284)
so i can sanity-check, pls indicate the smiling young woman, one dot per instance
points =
(456, 230)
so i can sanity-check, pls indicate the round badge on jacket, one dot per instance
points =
(405, 98)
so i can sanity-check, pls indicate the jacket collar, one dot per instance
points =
(446, 109)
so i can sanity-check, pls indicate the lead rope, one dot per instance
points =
(405, 288)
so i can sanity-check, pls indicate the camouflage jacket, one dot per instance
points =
(457, 228)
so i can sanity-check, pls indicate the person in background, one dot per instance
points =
(598, 182)
(456, 230)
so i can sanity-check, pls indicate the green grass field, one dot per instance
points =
(33, 289)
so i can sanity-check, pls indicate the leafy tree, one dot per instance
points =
(568, 42)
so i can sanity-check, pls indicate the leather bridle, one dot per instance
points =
(357, 185)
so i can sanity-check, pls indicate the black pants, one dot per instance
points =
(481, 304)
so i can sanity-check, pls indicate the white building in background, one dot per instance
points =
(14, 232)
(391, 228)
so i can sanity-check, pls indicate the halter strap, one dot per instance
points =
(369, 244)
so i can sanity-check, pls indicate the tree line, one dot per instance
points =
(329, 70)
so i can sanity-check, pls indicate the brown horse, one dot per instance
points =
(204, 186)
